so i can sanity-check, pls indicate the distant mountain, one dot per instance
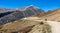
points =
(21, 13)
(52, 15)
(6, 10)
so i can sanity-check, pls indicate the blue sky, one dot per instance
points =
(44, 4)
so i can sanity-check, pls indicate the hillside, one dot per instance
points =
(30, 25)
(52, 15)
(16, 25)
(21, 23)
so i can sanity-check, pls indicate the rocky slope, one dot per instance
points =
(21, 13)
(4, 14)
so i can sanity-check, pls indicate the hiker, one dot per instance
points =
(45, 19)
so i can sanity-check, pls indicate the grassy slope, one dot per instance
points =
(19, 24)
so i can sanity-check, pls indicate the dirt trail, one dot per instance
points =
(55, 26)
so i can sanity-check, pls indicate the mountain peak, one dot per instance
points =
(32, 6)
(28, 8)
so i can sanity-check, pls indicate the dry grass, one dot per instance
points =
(16, 25)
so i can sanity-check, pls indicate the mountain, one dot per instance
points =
(33, 23)
(21, 13)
